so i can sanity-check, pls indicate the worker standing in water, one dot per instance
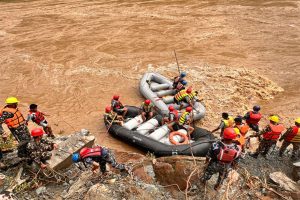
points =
(271, 134)
(291, 137)
(221, 157)
(227, 121)
(13, 118)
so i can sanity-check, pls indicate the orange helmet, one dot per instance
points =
(37, 132)
(108, 109)
(189, 109)
(229, 133)
(147, 102)
(116, 97)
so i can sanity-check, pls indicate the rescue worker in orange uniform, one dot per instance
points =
(118, 107)
(241, 130)
(147, 110)
(253, 117)
(291, 136)
(226, 122)
(97, 157)
(13, 118)
(39, 118)
(221, 157)
(270, 134)
(172, 118)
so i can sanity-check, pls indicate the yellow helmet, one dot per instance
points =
(297, 120)
(274, 118)
(11, 100)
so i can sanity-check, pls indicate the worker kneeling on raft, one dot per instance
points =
(39, 149)
(178, 79)
(172, 118)
(271, 134)
(291, 136)
(97, 157)
(221, 157)
(147, 110)
(111, 117)
(118, 107)
(185, 121)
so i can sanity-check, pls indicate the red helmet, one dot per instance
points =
(37, 132)
(171, 108)
(229, 133)
(189, 109)
(116, 97)
(147, 102)
(189, 90)
(108, 109)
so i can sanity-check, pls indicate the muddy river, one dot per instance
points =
(71, 56)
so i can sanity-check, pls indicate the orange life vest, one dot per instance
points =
(90, 152)
(275, 132)
(254, 118)
(294, 136)
(227, 154)
(243, 129)
(39, 117)
(16, 120)
(181, 95)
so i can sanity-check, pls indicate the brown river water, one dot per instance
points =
(71, 56)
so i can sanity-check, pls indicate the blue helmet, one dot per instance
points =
(75, 157)
(182, 74)
(184, 82)
(256, 108)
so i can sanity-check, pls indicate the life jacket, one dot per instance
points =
(147, 108)
(228, 122)
(16, 120)
(90, 152)
(39, 117)
(254, 118)
(182, 119)
(175, 113)
(240, 138)
(228, 153)
(275, 132)
(242, 129)
(115, 104)
(294, 136)
(192, 95)
(180, 95)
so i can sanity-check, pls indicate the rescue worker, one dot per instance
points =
(172, 118)
(13, 118)
(112, 117)
(39, 118)
(181, 86)
(118, 107)
(178, 79)
(271, 134)
(185, 120)
(185, 96)
(97, 157)
(226, 122)
(221, 157)
(147, 110)
(241, 130)
(253, 117)
(291, 136)
(39, 149)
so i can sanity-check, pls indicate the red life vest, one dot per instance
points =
(294, 136)
(228, 153)
(90, 152)
(39, 117)
(254, 118)
(275, 132)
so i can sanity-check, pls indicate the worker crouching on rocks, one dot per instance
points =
(271, 134)
(39, 118)
(147, 110)
(221, 157)
(97, 157)
(291, 136)
(39, 149)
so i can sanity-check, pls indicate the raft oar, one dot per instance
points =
(177, 61)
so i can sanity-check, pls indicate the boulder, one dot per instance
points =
(98, 191)
(62, 157)
(296, 171)
(284, 182)
(177, 169)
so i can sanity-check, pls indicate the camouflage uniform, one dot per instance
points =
(20, 133)
(106, 157)
(39, 152)
(285, 144)
(215, 166)
(264, 145)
